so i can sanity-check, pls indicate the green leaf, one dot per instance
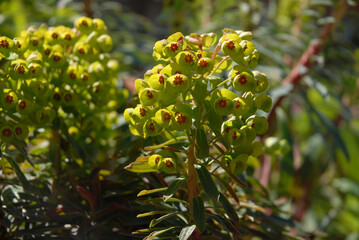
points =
(202, 150)
(156, 233)
(140, 166)
(207, 182)
(147, 214)
(145, 192)
(172, 188)
(199, 215)
(186, 232)
(154, 222)
(228, 208)
(20, 175)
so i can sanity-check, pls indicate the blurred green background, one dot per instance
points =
(317, 181)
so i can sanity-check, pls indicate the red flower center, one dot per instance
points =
(82, 51)
(157, 160)
(18, 130)
(174, 47)
(222, 103)
(84, 23)
(57, 97)
(22, 104)
(143, 112)
(161, 79)
(9, 98)
(72, 75)
(169, 164)
(167, 116)
(47, 51)
(57, 58)
(242, 80)
(203, 63)
(181, 119)
(188, 58)
(6, 132)
(230, 45)
(152, 126)
(54, 35)
(84, 78)
(68, 97)
(68, 37)
(149, 94)
(21, 69)
(4, 43)
(234, 135)
(35, 42)
(178, 80)
(238, 105)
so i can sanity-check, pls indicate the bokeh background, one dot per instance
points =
(316, 182)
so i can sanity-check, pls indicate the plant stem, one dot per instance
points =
(219, 64)
(192, 178)
(56, 146)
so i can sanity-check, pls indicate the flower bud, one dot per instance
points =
(157, 81)
(264, 102)
(260, 124)
(239, 164)
(244, 82)
(84, 24)
(168, 165)
(105, 43)
(223, 106)
(141, 113)
(155, 161)
(163, 117)
(99, 26)
(262, 81)
(21, 131)
(20, 45)
(178, 83)
(148, 96)
(6, 133)
(9, 99)
(236, 137)
(24, 106)
(35, 70)
(151, 128)
(6, 46)
(182, 121)
(204, 65)
(186, 59)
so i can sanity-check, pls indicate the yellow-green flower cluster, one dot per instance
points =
(51, 72)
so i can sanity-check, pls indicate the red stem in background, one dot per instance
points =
(297, 74)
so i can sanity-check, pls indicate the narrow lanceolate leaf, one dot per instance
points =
(228, 208)
(202, 150)
(159, 232)
(151, 213)
(145, 192)
(199, 214)
(207, 182)
(186, 232)
(20, 175)
(172, 188)
(154, 222)
(140, 166)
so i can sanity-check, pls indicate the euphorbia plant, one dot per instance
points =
(59, 78)
(213, 119)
